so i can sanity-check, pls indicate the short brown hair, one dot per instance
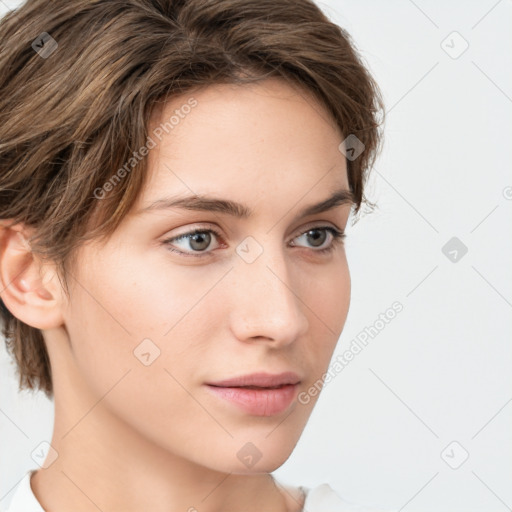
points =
(79, 80)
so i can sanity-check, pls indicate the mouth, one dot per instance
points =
(259, 380)
(251, 387)
(257, 401)
(268, 397)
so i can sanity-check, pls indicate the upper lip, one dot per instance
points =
(261, 379)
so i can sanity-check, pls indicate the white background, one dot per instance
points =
(440, 371)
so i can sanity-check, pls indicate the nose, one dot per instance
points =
(268, 303)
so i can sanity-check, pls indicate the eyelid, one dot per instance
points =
(318, 224)
(337, 235)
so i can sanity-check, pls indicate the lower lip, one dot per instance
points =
(260, 402)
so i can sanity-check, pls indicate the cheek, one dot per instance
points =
(134, 301)
(328, 301)
(121, 313)
(329, 296)
(337, 307)
(147, 312)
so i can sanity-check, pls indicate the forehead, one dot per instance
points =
(253, 137)
(254, 94)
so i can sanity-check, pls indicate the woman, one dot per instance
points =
(175, 180)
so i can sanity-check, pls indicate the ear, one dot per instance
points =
(30, 290)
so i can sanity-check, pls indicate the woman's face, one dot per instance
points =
(151, 321)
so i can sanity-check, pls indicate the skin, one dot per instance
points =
(134, 437)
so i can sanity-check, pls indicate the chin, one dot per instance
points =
(267, 465)
(263, 455)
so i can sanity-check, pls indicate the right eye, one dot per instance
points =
(198, 240)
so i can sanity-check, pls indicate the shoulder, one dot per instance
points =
(323, 498)
(23, 499)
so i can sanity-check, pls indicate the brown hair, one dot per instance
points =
(79, 80)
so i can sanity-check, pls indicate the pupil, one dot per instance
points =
(320, 234)
(203, 239)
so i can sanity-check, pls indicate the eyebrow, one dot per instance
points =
(207, 203)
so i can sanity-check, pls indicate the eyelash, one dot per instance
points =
(338, 239)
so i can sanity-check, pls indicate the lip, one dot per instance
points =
(258, 402)
(260, 379)
(268, 395)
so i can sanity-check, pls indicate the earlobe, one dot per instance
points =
(29, 290)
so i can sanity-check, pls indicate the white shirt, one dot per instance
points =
(318, 499)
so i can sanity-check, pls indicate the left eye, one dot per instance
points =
(336, 237)
(199, 240)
